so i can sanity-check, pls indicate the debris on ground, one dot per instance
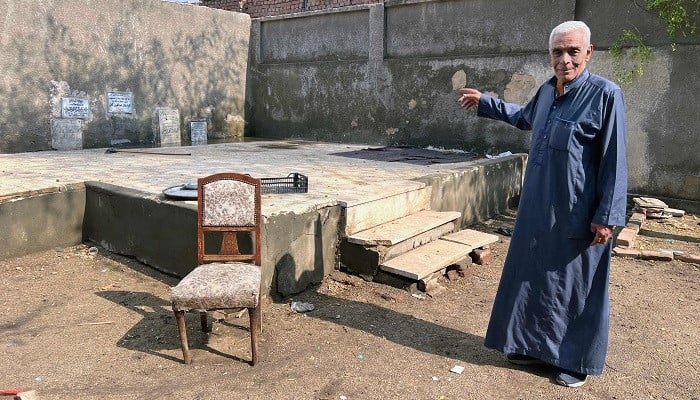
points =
(645, 209)
(457, 369)
(301, 307)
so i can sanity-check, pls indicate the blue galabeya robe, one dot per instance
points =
(552, 300)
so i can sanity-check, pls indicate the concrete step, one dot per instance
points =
(472, 238)
(364, 251)
(404, 228)
(362, 216)
(434, 256)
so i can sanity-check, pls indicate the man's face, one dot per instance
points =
(569, 55)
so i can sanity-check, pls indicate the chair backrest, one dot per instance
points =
(228, 203)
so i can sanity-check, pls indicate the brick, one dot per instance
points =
(453, 274)
(626, 238)
(634, 227)
(481, 256)
(637, 219)
(428, 283)
(689, 258)
(462, 266)
(656, 255)
(625, 252)
(436, 291)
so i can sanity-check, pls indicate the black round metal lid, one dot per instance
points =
(186, 191)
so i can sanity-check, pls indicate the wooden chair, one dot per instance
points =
(228, 203)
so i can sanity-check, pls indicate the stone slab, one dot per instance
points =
(404, 228)
(66, 134)
(689, 258)
(471, 238)
(366, 259)
(423, 261)
(168, 126)
(675, 212)
(649, 202)
(198, 131)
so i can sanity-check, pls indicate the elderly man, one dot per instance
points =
(552, 301)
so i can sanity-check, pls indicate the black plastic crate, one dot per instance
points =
(293, 183)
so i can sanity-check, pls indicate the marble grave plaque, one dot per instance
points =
(75, 107)
(168, 126)
(66, 134)
(198, 132)
(120, 102)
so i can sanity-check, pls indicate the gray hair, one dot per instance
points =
(571, 26)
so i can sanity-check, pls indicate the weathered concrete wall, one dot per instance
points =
(168, 55)
(393, 76)
(481, 192)
(162, 234)
(303, 252)
(41, 221)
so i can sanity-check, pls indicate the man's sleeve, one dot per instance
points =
(514, 114)
(612, 171)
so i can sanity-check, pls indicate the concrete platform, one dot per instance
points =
(60, 198)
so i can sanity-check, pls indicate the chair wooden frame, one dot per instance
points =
(228, 252)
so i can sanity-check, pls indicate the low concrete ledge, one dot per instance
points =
(157, 232)
(41, 220)
(298, 249)
(480, 192)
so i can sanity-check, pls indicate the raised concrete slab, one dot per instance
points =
(404, 228)
(426, 259)
(301, 230)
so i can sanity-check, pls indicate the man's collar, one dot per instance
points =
(575, 83)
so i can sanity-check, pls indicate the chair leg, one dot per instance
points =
(180, 317)
(254, 314)
(203, 321)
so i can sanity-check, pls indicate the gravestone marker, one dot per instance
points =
(75, 107)
(168, 126)
(198, 131)
(66, 134)
(120, 102)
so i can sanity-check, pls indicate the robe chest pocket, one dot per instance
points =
(560, 135)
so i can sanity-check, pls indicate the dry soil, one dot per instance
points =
(81, 323)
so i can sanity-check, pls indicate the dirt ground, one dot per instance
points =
(81, 323)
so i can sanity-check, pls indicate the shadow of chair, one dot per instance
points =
(225, 278)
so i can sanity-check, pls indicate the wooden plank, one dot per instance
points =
(398, 230)
(471, 238)
(423, 261)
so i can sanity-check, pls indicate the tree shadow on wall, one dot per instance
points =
(187, 70)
